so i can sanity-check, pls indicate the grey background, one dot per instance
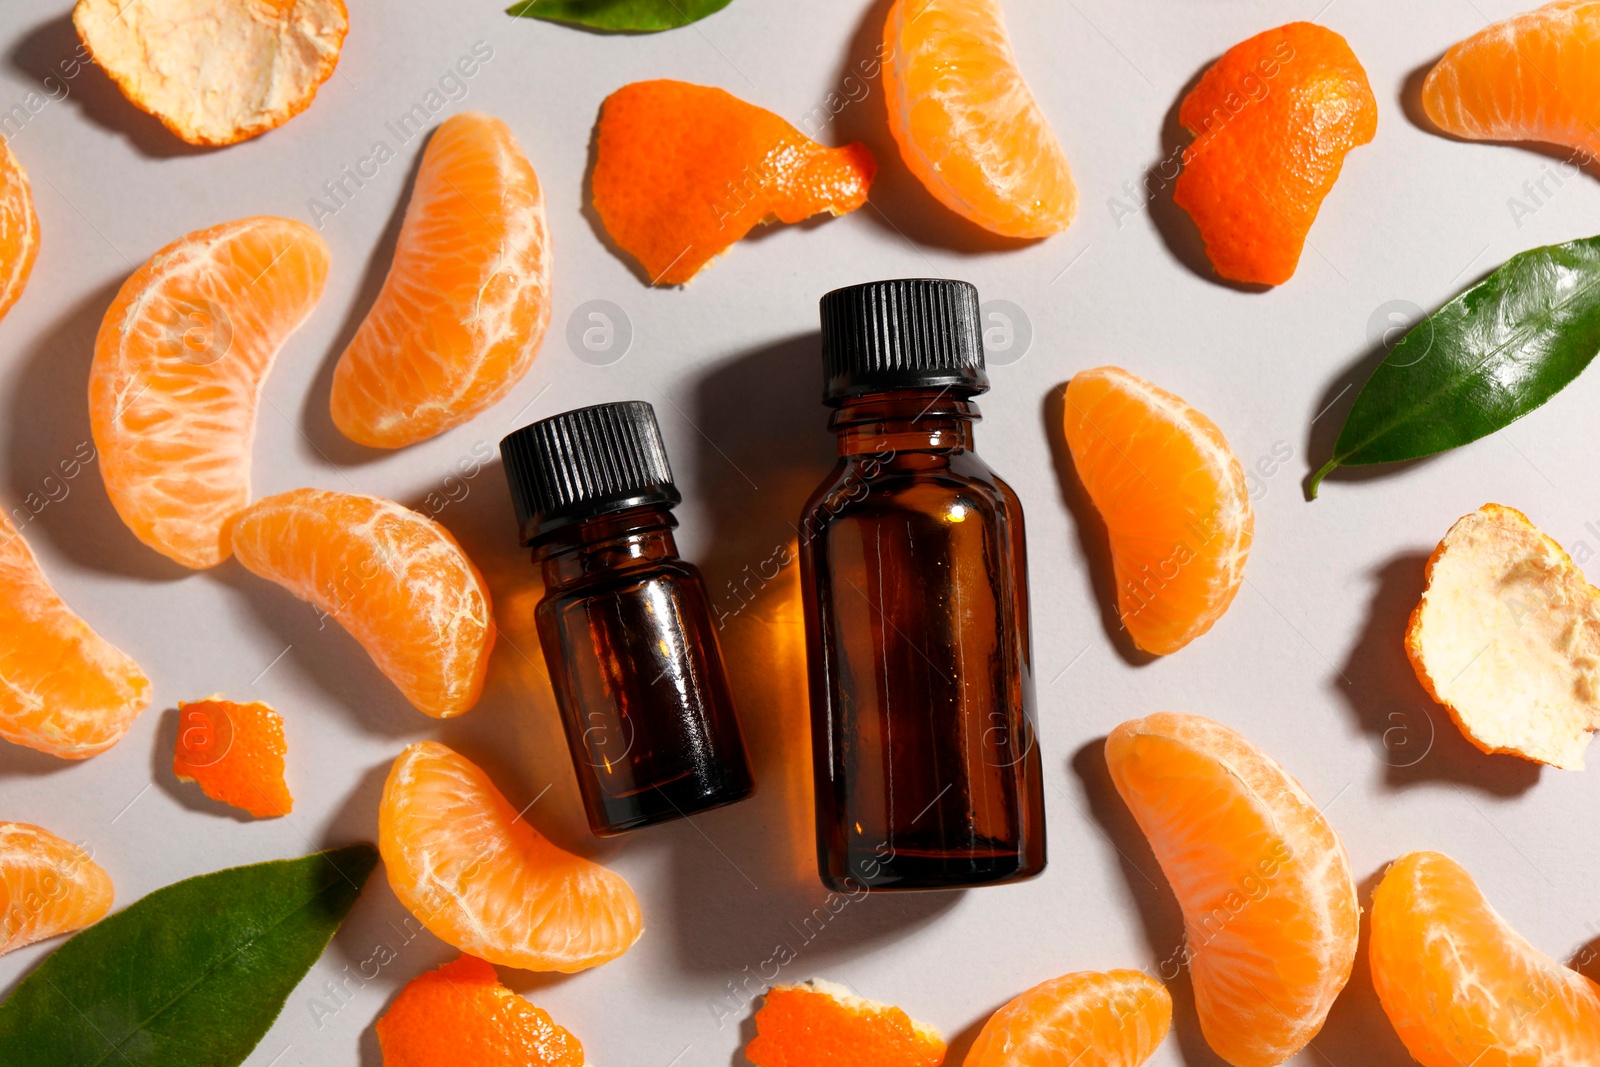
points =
(1307, 662)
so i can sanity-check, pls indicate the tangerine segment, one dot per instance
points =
(1173, 498)
(966, 122)
(1507, 636)
(1532, 77)
(464, 308)
(1461, 986)
(1086, 1019)
(19, 228)
(215, 72)
(1272, 121)
(64, 689)
(48, 886)
(1269, 903)
(461, 1014)
(466, 864)
(395, 580)
(178, 366)
(820, 1024)
(235, 752)
(683, 171)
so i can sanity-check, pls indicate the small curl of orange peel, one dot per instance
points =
(235, 753)
(683, 171)
(1507, 637)
(819, 1024)
(460, 1014)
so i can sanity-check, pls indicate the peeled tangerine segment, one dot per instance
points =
(1507, 637)
(1269, 904)
(966, 122)
(1085, 1019)
(819, 1024)
(19, 228)
(683, 171)
(64, 689)
(466, 864)
(215, 71)
(1173, 497)
(1532, 77)
(178, 366)
(395, 580)
(1272, 121)
(464, 307)
(48, 886)
(460, 1014)
(235, 753)
(1461, 987)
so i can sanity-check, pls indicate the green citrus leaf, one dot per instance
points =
(624, 16)
(193, 975)
(1482, 361)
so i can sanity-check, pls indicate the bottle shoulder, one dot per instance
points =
(922, 483)
(675, 576)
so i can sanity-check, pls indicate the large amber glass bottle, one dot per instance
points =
(925, 753)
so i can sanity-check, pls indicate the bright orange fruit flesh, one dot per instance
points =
(178, 366)
(235, 752)
(1086, 1019)
(1273, 120)
(19, 228)
(1532, 77)
(966, 122)
(48, 886)
(1269, 904)
(683, 171)
(1462, 987)
(464, 308)
(64, 689)
(461, 1015)
(471, 870)
(395, 580)
(1173, 498)
(822, 1025)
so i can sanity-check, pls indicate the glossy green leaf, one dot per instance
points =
(1482, 361)
(193, 975)
(620, 16)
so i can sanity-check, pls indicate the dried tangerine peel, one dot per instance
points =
(1273, 120)
(461, 1014)
(235, 753)
(1507, 637)
(19, 228)
(1093, 1019)
(683, 171)
(215, 72)
(1461, 986)
(820, 1024)
(48, 886)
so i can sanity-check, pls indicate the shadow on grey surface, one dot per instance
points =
(1414, 737)
(20, 761)
(189, 794)
(1093, 541)
(1357, 1030)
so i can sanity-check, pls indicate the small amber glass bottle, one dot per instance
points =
(925, 755)
(625, 624)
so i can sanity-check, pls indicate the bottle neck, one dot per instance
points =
(640, 537)
(919, 420)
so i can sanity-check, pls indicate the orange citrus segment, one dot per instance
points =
(1272, 121)
(465, 305)
(64, 689)
(465, 863)
(395, 580)
(1173, 498)
(178, 366)
(1269, 904)
(1532, 77)
(1462, 987)
(966, 122)
(48, 886)
(215, 71)
(235, 752)
(683, 171)
(1087, 1019)
(461, 1015)
(820, 1024)
(19, 228)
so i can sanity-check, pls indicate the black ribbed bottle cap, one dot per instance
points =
(908, 333)
(585, 463)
